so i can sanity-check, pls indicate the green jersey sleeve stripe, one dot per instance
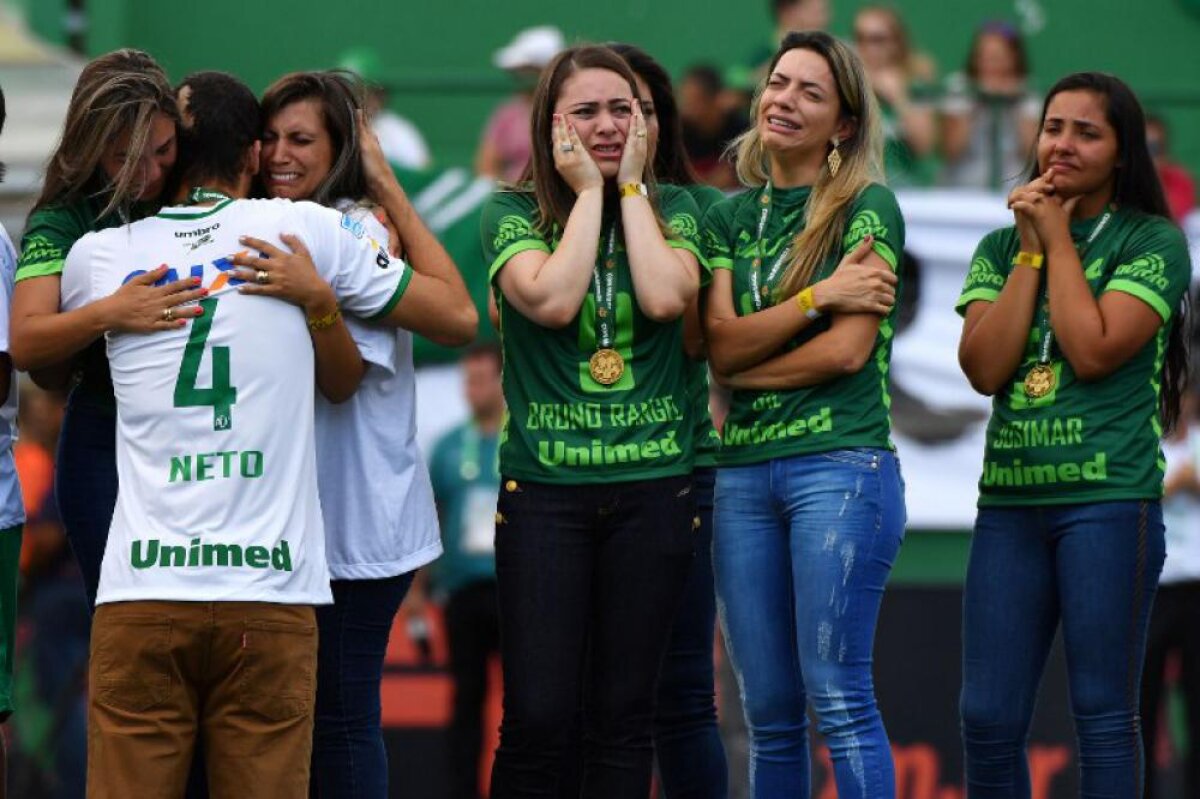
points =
(684, 244)
(40, 269)
(885, 251)
(968, 297)
(511, 250)
(405, 279)
(720, 263)
(1142, 293)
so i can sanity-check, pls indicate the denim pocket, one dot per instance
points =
(278, 668)
(133, 662)
(856, 456)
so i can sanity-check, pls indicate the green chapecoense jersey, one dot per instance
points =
(848, 411)
(563, 426)
(1084, 441)
(705, 438)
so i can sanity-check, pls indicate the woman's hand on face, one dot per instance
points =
(375, 164)
(857, 287)
(139, 306)
(571, 159)
(290, 276)
(1047, 213)
(1033, 193)
(633, 155)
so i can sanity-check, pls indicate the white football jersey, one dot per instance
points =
(217, 497)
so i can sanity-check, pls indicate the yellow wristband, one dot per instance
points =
(806, 303)
(325, 322)
(1033, 260)
(634, 190)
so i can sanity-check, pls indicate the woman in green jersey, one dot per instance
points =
(117, 147)
(1074, 324)
(809, 501)
(593, 266)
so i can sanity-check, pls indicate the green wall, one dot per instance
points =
(437, 54)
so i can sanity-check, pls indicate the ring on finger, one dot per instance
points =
(262, 277)
(641, 134)
(566, 147)
(168, 314)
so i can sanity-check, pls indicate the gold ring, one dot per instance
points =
(168, 314)
(641, 134)
(262, 277)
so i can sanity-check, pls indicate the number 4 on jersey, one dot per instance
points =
(221, 396)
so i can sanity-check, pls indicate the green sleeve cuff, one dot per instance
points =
(968, 297)
(720, 263)
(405, 279)
(508, 252)
(40, 269)
(1144, 294)
(684, 244)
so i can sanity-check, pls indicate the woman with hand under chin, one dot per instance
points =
(1074, 322)
(592, 267)
(809, 500)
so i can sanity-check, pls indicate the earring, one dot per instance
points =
(834, 159)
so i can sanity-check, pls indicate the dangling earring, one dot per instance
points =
(834, 159)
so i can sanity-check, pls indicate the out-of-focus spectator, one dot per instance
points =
(709, 122)
(52, 737)
(466, 480)
(989, 114)
(504, 148)
(786, 15)
(902, 79)
(400, 139)
(1175, 620)
(1177, 183)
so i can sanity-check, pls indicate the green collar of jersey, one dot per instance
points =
(194, 213)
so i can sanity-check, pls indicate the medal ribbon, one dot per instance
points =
(756, 280)
(199, 194)
(605, 296)
(1048, 339)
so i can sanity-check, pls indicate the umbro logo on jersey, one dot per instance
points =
(187, 234)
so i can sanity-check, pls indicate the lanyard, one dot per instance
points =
(469, 467)
(199, 194)
(757, 293)
(1048, 338)
(606, 294)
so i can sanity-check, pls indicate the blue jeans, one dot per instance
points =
(691, 759)
(86, 482)
(802, 549)
(349, 759)
(589, 578)
(1094, 568)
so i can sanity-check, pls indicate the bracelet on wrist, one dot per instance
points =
(1033, 260)
(326, 321)
(807, 304)
(634, 189)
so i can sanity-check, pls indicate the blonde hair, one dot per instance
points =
(861, 152)
(117, 92)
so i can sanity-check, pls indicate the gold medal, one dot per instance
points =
(606, 366)
(1039, 381)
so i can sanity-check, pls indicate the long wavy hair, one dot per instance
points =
(1136, 185)
(555, 198)
(861, 152)
(116, 93)
(340, 95)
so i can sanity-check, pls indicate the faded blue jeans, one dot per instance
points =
(1093, 568)
(802, 548)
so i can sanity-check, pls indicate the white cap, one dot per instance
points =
(532, 47)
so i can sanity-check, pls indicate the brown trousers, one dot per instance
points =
(242, 674)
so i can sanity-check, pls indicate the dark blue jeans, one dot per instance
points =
(589, 578)
(1094, 568)
(349, 760)
(691, 759)
(86, 482)
(802, 549)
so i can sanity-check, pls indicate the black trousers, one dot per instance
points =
(1174, 629)
(473, 634)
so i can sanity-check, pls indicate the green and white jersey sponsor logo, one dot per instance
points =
(38, 248)
(512, 228)
(154, 554)
(1149, 269)
(865, 223)
(684, 226)
(984, 274)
